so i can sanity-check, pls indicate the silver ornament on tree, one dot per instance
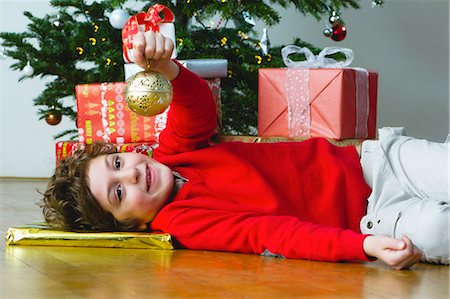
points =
(264, 42)
(58, 23)
(148, 93)
(118, 18)
(328, 32)
(2, 53)
(28, 70)
(377, 3)
(244, 19)
(334, 17)
(248, 18)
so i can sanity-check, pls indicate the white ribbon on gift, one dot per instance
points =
(297, 88)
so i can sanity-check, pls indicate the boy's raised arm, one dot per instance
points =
(192, 117)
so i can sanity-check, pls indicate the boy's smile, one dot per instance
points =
(130, 186)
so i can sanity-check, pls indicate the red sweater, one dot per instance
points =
(300, 200)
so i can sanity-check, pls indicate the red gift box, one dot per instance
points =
(64, 149)
(332, 103)
(104, 115)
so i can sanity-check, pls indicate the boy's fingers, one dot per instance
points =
(168, 48)
(150, 46)
(406, 240)
(409, 245)
(159, 46)
(395, 244)
(137, 54)
(139, 41)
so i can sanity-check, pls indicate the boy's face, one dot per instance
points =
(130, 185)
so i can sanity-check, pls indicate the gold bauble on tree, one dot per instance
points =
(148, 93)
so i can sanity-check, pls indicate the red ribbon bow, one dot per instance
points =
(150, 19)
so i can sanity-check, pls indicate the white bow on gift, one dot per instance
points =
(319, 61)
(297, 84)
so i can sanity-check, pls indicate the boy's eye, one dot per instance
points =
(117, 163)
(119, 193)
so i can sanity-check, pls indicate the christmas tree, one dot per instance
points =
(78, 44)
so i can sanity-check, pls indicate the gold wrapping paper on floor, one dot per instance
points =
(48, 237)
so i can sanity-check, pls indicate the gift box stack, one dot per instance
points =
(317, 97)
(102, 113)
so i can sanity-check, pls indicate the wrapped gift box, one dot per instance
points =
(38, 235)
(205, 68)
(332, 103)
(104, 115)
(67, 148)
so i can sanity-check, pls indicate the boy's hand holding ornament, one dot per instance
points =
(149, 92)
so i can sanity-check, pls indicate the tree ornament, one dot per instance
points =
(58, 23)
(248, 18)
(334, 17)
(80, 50)
(339, 32)
(264, 42)
(28, 70)
(377, 3)
(118, 18)
(148, 93)
(328, 32)
(53, 117)
(223, 41)
(2, 53)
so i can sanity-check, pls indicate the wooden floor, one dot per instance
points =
(57, 272)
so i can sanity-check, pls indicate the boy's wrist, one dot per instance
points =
(369, 248)
(172, 70)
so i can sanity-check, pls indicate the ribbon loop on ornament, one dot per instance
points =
(319, 61)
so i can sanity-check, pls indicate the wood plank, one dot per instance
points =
(66, 272)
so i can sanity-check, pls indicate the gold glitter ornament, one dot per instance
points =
(148, 93)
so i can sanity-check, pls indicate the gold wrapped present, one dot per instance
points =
(43, 236)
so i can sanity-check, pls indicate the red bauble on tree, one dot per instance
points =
(339, 32)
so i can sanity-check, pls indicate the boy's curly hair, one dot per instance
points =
(68, 203)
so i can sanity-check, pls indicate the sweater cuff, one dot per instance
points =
(352, 246)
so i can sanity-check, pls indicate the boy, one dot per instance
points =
(299, 200)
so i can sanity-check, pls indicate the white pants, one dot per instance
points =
(410, 191)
